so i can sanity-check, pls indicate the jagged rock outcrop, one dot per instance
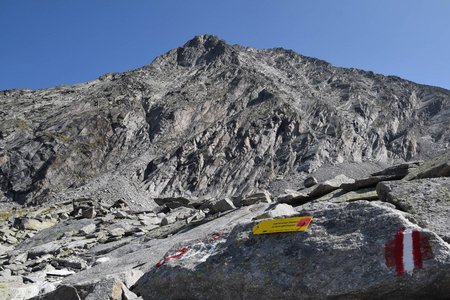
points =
(210, 119)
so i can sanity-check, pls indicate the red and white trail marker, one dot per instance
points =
(407, 251)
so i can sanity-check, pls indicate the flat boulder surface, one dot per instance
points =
(428, 200)
(436, 167)
(350, 250)
(146, 252)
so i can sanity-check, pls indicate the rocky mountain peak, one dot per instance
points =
(203, 50)
(204, 40)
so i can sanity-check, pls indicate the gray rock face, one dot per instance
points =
(428, 200)
(209, 119)
(346, 240)
(310, 181)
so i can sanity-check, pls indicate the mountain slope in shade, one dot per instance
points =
(210, 119)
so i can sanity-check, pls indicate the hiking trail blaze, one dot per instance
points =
(407, 251)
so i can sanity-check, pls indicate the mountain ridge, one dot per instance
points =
(201, 95)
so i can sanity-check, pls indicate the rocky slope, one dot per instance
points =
(356, 246)
(147, 184)
(209, 119)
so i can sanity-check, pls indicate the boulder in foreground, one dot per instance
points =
(351, 250)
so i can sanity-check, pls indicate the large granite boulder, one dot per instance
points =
(358, 250)
(427, 200)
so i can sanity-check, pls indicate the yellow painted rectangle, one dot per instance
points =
(283, 225)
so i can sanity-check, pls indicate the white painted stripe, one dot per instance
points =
(408, 260)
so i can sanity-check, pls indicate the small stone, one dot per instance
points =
(310, 181)
(60, 273)
(33, 224)
(121, 214)
(21, 258)
(108, 218)
(280, 210)
(116, 232)
(48, 248)
(11, 240)
(263, 196)
(330, 185)
(35, 277)
(216, 206)
(88, 229)
(146, 220)
(182, 213)
(199, 215)
(102, 260)
(63, 216)
(290, 196)
(84, 208)
(72, 262)
(15, 268)
(168, 220)
(121, 204)
(79, 244)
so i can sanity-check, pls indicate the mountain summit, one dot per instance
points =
(211, 119)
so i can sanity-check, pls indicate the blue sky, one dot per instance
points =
(44, 43)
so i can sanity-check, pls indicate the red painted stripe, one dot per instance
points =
(425, 247)
(389, 250)
(398, 252)
(180, 253)
(417, 249)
